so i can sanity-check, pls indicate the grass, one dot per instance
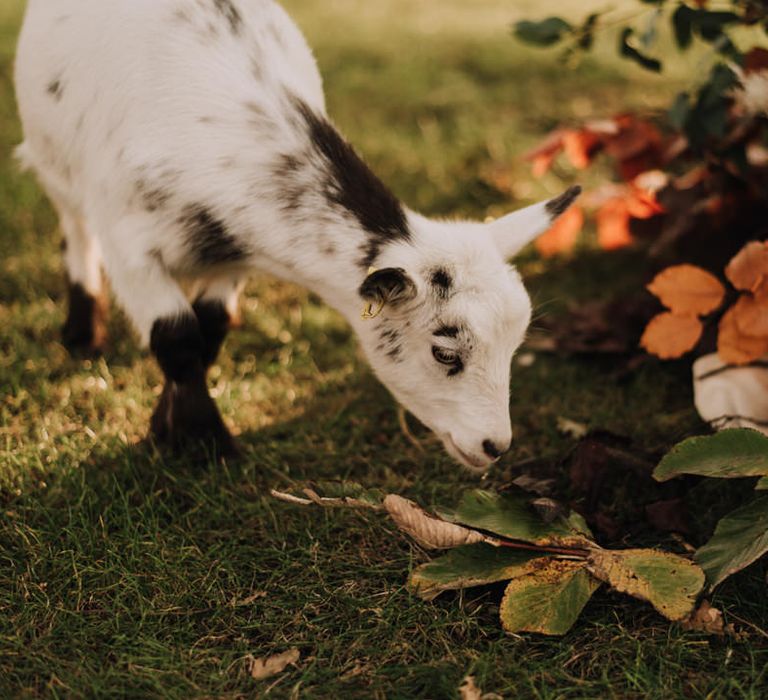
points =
(128, 574)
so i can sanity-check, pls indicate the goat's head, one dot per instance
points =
(452, 314)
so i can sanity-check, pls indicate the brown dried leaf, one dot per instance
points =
(669, 335)
(687, 290)
(561, 237)
(706, 619)
(733, 346)
(749, 267)
(429, 530)
(751, 314)
(272, 665)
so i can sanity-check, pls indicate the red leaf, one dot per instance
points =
(580, 146)
(756, 59)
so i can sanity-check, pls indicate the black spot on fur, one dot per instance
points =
(441, 282)
(208, 238)
(231, 14)
(154, 198)
(55, 89)
(213, 319)
(390, 286)
(354, 188)
(559, 204)
(447, 331)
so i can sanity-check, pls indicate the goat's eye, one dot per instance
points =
(445, 356)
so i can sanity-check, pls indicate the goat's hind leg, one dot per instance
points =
(84, 330)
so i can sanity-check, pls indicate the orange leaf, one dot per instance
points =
(561, 237)
(542, 163)
(613, 224)
(733, 346)
(669, 335)
(751, 314)
(579, 146)
(543, 155)
(749, 267)
(642, 204)
(687, 289)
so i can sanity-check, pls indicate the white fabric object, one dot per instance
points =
(730, 396)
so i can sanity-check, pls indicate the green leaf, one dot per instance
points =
(762, 485)
(509, 515)
(709, 25)
(667, 581)
(740, 538)
(549, 599)
(543, 33)
(679, 111)
(728, 454)
(469, 565)
(630, 52)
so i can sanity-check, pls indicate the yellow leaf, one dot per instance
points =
(669, 335)
(687, 290)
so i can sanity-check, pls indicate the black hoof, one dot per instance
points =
(186, 417)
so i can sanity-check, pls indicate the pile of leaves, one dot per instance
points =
(694, 297)
(549, 557)
(550, 560)
(684, 177)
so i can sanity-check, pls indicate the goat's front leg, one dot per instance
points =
(184, 345)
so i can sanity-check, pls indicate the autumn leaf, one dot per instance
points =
(542, 156)
(613, 224)
(735, 347)
(669, 335)
(561, 237)
(749, 267)
(263, 668)
(667, 581)
(579, 147)
(549, 599)
(687, 290)
(751, 314)
(642, 204)
(428, 530)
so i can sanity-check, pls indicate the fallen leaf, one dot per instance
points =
(749, 267)
(543, 155)
(706, 619)
(263, 668)
(429, 530)
(635, 136)
(562, 236)
(687, 290)
(667, 581)
(549, 599)
(756, 59)
(469, 565)
(751, 314)
(669, 335)
(613, 224)
(735, 347)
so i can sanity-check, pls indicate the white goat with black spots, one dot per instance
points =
(184, 144)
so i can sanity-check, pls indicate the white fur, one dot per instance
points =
(158, 92)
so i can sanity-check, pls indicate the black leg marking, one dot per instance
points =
(214, 323)
(84, 330)
(186, 413)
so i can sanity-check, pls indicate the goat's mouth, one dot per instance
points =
(474, 464)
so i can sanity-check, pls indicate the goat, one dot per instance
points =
(185, 144)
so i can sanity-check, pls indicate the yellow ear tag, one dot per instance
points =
(368, 310)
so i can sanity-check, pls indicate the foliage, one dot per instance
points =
(703, 166)
(741, 537)
(552, 564)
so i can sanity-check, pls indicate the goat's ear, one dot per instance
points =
(514, 231)
(390, 286)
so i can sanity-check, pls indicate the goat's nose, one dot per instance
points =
(493, 450)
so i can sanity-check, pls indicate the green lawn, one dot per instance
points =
(125, 573)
